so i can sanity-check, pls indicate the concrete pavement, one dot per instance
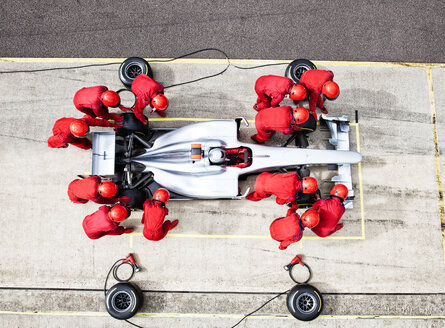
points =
(396, 258)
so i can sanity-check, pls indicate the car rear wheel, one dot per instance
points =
(131, 68)
(304, 302)
(296, 69)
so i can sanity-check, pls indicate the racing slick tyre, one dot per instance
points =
(123, 300)
(132, 67)
(295, 69)
(304, 302)
(131, 124)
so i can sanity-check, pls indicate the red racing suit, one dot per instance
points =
(153, 219)
(331, 210)
(80, 191)
(271, 90)
(99, 224)
(87, 100)
(62, 135)
(287, 230)
(269, 120)
(313, 80)
(283, 185)
(145, 89)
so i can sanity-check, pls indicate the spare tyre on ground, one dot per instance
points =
(304, 302)
(123, 300)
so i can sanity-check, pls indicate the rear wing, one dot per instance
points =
(339, 128)
(103, 153)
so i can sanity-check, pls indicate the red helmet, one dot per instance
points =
(340, 190)
(309, 185)
(300, 114)
(310, 218)
(118, 213)
(297, 92)
(107, 189)
(110, 98)
(79, 128)
(331, 90)
(160, 102)
(162, 195)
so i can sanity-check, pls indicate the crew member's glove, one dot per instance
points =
(124, 199)
(282, 248)
(324, 110)
(338, 226)
(128, 230)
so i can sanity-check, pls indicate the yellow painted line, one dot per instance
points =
(217, 61)
(217, 315)
(403, 317)
(179, 235)
(437, 159)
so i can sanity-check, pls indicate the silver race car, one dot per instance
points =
(205, 160)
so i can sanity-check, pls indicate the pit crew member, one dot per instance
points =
(289, 229)
(70, 130)
(155, 212)
(272, 89)
(105, 221)
(330, 210)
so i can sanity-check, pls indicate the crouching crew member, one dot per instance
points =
(285, 186)
(69, 130)
(105, 221)
(330, 210)
(272, 89)
(319, 82)
(289, 230)
(283, 119)
(94, 101)
(148, 92)
(154, 214)
(80, 191)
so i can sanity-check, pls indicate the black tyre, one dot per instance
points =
(295, 69)
(123, 300)
(304, 302)
(132, 67)
(131, 124)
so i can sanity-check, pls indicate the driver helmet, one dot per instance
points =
(217, 155)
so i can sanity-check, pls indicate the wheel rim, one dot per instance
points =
(134, 70)
(299, 70)
(306, 303)
(121, 301)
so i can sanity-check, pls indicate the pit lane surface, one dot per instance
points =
(192, 278)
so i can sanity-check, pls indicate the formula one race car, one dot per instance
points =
(204, 160)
